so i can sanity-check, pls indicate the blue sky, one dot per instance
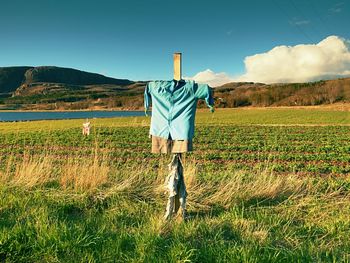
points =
(136, 39)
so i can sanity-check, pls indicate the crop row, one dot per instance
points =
(317, 149)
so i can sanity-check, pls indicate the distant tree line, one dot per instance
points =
(296, 94)
(231, 95)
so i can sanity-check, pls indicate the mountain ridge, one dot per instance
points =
(12, 78)
(52, 88)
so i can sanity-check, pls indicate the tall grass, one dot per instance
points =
(92, 209)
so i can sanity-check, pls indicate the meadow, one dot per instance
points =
(264, 185)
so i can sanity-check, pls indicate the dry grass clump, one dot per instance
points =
(86, 175)
(140, 181)
(135, 184)
(28, 171)
(243, 187)
(240, 186)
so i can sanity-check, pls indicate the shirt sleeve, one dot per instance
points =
(204, 92)
(147, 97)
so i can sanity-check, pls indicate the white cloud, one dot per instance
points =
(337, 8)
(299, 22)
(211, 78)
(328, 59)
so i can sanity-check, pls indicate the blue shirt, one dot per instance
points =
(174, 107)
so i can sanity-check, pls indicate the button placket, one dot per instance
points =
(171, 108)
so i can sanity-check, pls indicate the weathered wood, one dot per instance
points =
(177, 66)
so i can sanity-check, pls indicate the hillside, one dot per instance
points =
(69, 76)
(11, 78)
(50, 87)
(54, 88)
(238, 94)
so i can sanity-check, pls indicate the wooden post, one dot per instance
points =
(177, 66)
(175, 181)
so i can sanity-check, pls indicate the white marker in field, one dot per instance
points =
(86, 128)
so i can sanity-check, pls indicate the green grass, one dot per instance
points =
(239, 116)
(265, 185)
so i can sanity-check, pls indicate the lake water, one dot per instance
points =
(60, 115)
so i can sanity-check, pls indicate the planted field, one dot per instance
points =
(264, 185)
(315, 150)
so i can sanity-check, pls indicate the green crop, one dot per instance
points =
(264, 185)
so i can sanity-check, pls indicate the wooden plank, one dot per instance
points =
(177, 66)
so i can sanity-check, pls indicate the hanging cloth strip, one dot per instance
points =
(176, 187)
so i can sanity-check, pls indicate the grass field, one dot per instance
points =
(265, 185)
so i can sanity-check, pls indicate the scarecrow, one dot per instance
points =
(174, 105)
